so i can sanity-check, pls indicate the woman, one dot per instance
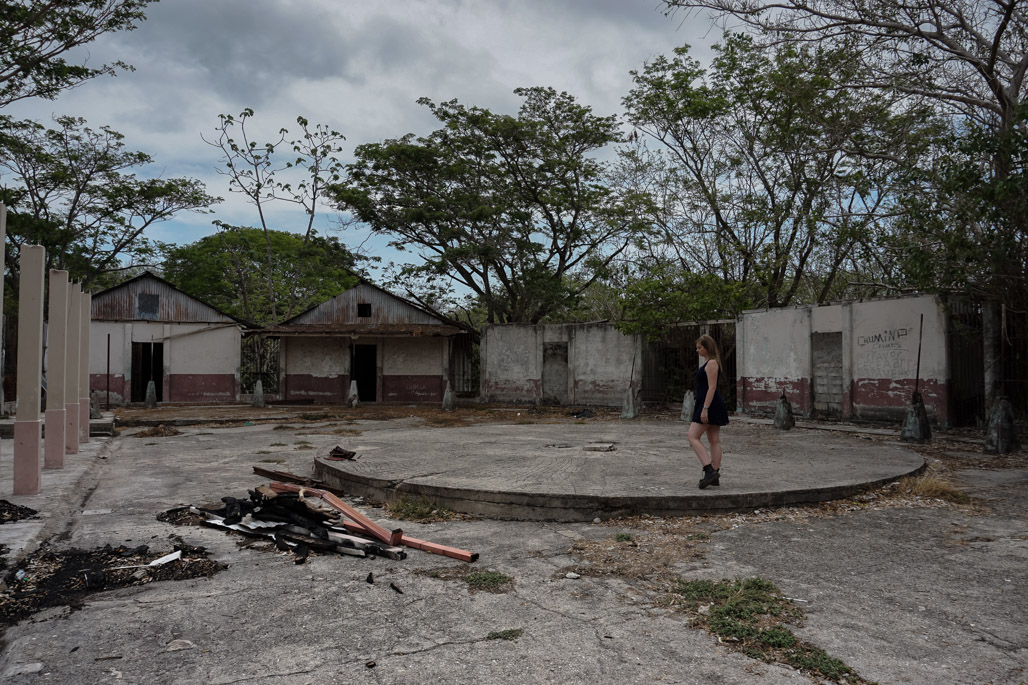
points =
(710, 412)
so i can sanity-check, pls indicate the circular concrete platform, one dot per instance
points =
(564, 471)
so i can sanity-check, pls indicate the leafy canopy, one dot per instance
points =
(513, 208)
(227, 270)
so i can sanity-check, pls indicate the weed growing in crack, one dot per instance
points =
(418, 508)
(748, 615)
(510, 634)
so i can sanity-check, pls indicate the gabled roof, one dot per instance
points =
(173, 305)
(381, 308)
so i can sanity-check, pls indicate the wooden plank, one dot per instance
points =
(372, 528)
(424, 545)
(286, 477)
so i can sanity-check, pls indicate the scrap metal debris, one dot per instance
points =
(302, 521)
(337, 453)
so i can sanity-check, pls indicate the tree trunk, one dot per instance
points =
(992, 352)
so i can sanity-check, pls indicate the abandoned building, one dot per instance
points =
(859, 360)
(395, 350)
(855, 360)
(147, 329)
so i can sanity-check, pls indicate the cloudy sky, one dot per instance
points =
(355, 66)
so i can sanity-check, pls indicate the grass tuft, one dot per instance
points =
(623, 537)
(931, 486)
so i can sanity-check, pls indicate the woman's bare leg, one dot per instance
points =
(714, 438)
(696, 431)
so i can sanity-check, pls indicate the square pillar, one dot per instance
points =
(71, 371)
(27, 425)
(56, 381)
(86, 302)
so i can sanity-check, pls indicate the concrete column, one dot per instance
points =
(56, 381)
(27, 425)
(3, 255)
(71, 371)
(86, 302)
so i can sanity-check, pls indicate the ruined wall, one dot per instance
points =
(511, 366)
(414, 369)
(884, 349)
(854, 360)
(315, 368)
(602, 364)
(773, 356)
(584, 364)
(200, 361)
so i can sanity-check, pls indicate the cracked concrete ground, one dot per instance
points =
(925, 592)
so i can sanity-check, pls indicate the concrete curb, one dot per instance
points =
(530, 506)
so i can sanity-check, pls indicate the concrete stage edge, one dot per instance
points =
(558, 472)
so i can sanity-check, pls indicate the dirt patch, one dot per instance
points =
(160, 431)
(9, 513)
(50, 578)
(183, 516)
(648, 554)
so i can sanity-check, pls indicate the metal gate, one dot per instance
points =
(966, 352)
(670, 364)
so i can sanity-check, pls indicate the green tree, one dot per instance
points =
(761, 170)
(74, 190)
(227, 270)
(514, 208)
(969, 59)
(37, 35)
(257, 170)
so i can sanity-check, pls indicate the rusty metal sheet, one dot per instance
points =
(149, 298)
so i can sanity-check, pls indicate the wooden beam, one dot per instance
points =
(287, 477)
(423, 545)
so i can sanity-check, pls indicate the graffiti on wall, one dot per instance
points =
(889, 353)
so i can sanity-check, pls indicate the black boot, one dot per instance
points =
(710, 476)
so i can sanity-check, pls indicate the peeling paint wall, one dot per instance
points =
(520, 364)
(201, 361)
(879, 352)
(316, 368)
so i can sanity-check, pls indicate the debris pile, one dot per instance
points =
(50, 578)
(9, 512)
(301, 519)
(160, 431)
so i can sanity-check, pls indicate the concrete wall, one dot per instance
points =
(528, 363)
(407, 369)
(879, 344)
(201, 361)
(316, 368)
(773, 357)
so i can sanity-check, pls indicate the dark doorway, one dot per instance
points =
(555, 373)
(147, 365)
(364, 371)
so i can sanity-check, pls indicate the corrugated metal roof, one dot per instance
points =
(365, 304)
(149, 298)
(409, 330)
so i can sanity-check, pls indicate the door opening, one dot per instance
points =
(147, 365)
(364, 371)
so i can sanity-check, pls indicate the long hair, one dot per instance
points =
(713, 352)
